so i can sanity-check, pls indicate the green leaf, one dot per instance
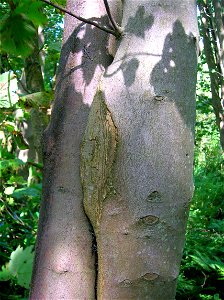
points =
(32, 10)
(10, 126)
(13, 163)
(9, 190)
(8, 88)
(19, 140)
(39, 99)
(5, 274)
(17, 33)
(20, 265)
(27, 192)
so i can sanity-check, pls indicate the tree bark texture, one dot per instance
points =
(33, 129)
(125, 131)
(65, 258)
(219, 21)
(219, 28)
(215, 64)
(137, 152)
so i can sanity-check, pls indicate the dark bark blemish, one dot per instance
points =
(159, 98)
(125, 283)
(149, 220)
(150, 276)
(154, 197)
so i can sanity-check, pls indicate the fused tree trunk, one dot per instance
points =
(126, 133)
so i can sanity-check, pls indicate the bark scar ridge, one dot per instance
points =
(97, 158)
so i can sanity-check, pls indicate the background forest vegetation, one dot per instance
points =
(31, 36)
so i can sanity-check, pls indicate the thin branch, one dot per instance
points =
(38, 166)
(114, 24)
(214, 37)
(13, 215)
(17, 77)
(80, 18)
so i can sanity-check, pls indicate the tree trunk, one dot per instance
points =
(213, 46)
(136, 156)
(65, 256)
(138, 151)
(219, 28)
(33, 128)
(219, 21)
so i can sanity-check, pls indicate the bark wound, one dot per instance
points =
(97, 158)
(149, 220)
(154, 197)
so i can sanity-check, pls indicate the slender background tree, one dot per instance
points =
(212, 28)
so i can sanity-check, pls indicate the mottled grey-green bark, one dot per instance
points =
(136, 151)
(139, 216)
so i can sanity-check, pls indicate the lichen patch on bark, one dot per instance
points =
(97, 158)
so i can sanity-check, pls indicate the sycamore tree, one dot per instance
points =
(118, 152)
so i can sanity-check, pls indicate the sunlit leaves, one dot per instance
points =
(16, 35)
(8, 88)
(32, 10)
(18, 27)
(19, 266)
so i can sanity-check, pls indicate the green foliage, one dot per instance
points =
(8, 88)
(202, 270)
(19, 212)
(19, 267)
(52, 47)
(18, 26)
(20, 189)
(39, 99)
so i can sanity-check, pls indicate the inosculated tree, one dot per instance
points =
(118, 154)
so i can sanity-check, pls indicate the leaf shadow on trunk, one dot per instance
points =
(175, 74)
(92, 54)
(83, 55)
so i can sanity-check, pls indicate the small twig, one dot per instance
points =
(114, 24)
(8, 89)
(205, 278)
(113, 32)
(38, 166)
(13, 215)
(17, 77)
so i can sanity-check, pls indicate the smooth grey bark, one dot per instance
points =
(136, 149)
(137, 152)
(65, 259)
